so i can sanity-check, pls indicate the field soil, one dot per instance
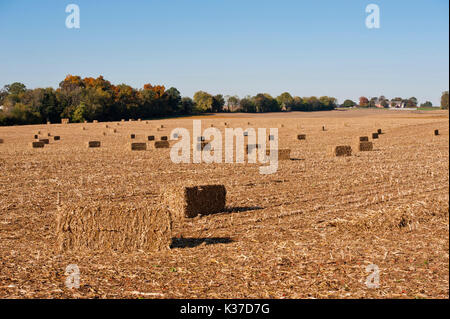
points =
(317, 228)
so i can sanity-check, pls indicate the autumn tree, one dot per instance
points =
(444, 100)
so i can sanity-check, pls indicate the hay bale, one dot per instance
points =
(301, 136)
(161, 144)
(65, 121)
(436, 132)
(225, 123)
(107, 126)
(114, 131)
(113, 226)
(91, 144)
(374, 135)
(38, 132)
(138, 146)
(379, 131)
(44, 140)
(245, 133)
(36, 144)
(249, 148)
(122, 120)
(56, 138)
(271, 138)
(283, 154)
(36, 136)
(164, 138)
(83, 128)
(94, 121)
(365, 146)
(342, 150)
(151, 137)
(48, 134)
(48, 123)
(104, 133)
(1, 141)
(363, 138)
(323, 128)
(139, 120)
(196, 200)
(161, 126)
(133, 136)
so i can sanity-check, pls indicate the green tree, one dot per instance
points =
(348, 103)
(80, 113)
(285, 100)
(444, 100)
(203, 101)
(218, 103)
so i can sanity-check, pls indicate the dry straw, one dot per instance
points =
(138, 146)
(365, 146)
(196, 200)
(342, 150)
(93, 144)
(123, 227)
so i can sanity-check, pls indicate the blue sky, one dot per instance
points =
(233, 46)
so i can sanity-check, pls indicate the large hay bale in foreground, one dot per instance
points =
(91, 144)
(118, 226)
(161, 144)
(363, 138)
(196, 200)
(283, 154)
(37, 144)
(138, 146)
(342, 150)
(365, 146)
(301, 136)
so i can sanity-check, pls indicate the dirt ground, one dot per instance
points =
(307, 231)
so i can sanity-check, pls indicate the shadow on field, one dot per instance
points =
(241, 209)
(194, 242)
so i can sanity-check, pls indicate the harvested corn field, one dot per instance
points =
(307, 231)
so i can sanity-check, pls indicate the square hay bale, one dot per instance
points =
(94, 121)
(164, 138)
(1, 141)
(301, 136)
(139, 120)
(161, 126)
(379, 131)
(44, 140)
(138, 146)
(36, 136)
(107, 126)
(133, 136)
(203, 146)
(249, 148)
(122, 120)
(151, 137)
(113, 226)
(365, 146)
(436, 132)
(196, 200)
(225, 123)
(374, 135)
(36, 144)
(38, 132)
(323, 128)
(161, 144)
(363, 138)
(114, 131)
(283, 154)
(271, 138)
(65, 121)
(83, 128)
(342, 150)
(92, 144)
(48, 134)
(104, 133)
(56, 138)
(48, 123)
(212, 125)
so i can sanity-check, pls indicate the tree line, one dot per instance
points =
(87, 99)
